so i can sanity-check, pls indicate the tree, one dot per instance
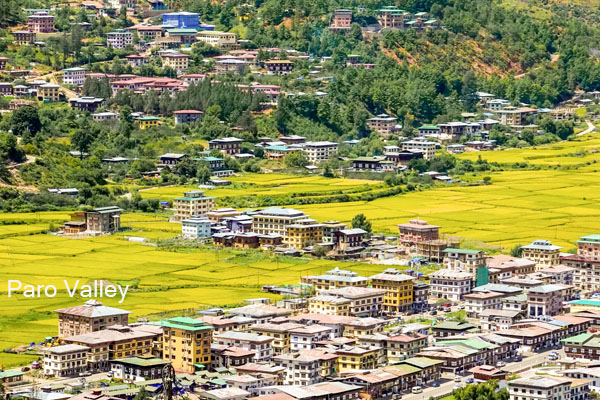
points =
(83, 137)
(516, 251)
(203, 174)
(319, 251)
(296, 160)
(25, 122)
(360, 221)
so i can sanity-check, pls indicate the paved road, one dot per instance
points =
(591, 128)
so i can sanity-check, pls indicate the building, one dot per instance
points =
(545, 300)
(427, 148)
(279, 332)
(451, 285)
(193, 204)
(136, 369)
(492, 319)
(300, 369)
(303, 234)
(49, 91)
(105, 116)
(318, 152)
(119, 39)
(279, 67)
(364, 302)
(306, 337)
(382, 123)
(390, 17)
(103, 219)
(24, 38)
(11, 377)
(40, 23)
(65, 361)
(399, 289)
(187, 116)
(464, 259)
(181, 20)
(86, 103)
(186, 343)
(349, 239)
(335, 278)
(548, 388)
(476, 303)
(230, 356)
(259, 344)
(401, 347)
(341, 20)
(276, 220)
(223, 40)
(228, 146)
(330, 305)
(136, 60)
(452, 328)
(195, 227)
(542, 252)
(74, 76)
(230, 65)
(90, 317)
(178, 61)
(416, 231)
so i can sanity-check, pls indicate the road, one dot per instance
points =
(38, 382)
(591, 128)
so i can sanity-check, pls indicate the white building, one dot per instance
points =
(476, 303)
(498, 320)
(74, 76)
(449, 284)
(195, 227)
(119, 39)
(300, 369)
(305, 338)
(548, 388)
(318, 152)
(260, 344)
(64, 361)
(425, 147)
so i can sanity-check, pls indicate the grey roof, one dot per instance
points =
(497, 287)
(546, 289)
(66, 348)
(538, 381)
(92, 309)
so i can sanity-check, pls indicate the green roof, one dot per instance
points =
(142, 362)
(185, 323)
(183, 31)
(579, 339)
(461, 251)
(586, 302)
(148, 118)
(10, 374)
(472, 342)
(193, 198)
(590, 238)
(430, 127)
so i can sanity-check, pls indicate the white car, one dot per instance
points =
(417, 390)
(457, 379)
(500, 364)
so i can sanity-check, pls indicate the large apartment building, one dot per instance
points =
(318, 152)
(89, 317)
(543, 252)
(186, 343)
(586, 263)
(193, 204)
(399, 290)
(335, 278)
(450, 284)
(119, 39)
(65, 360)
(416, 231)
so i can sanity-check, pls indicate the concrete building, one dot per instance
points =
(103, 219)
(548, 388)
(261, 345)
(49, 91)
(543, 252)
(300, 369)
(364, 302)
(476, 303)
(24, 38)
(416, 231)
(450, 284)
(464, 259)
(427, 148)
(230, 65)
(187, 116)
(193, 204)
(74, 76)
(64, 361)
(341, 20)
(276, 220)
(90, 317)
(137, 369)
(223, 40)
(383, 124)
(181, 20)
(195, 227)
(399, 290)
(119, 39)
(40, 23)
(178, 61)
(279, 67)
(186, 343)
(545, 300)
(305, 338)
(335, 278)
(228, 146)
(318, 152)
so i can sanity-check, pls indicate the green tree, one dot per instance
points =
(25, 122)
(360, 221)
(296, 160)
(516, 251)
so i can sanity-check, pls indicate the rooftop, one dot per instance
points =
(92, 309)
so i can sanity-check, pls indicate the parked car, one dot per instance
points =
(434, 312)
(435, 384)
(500, 364)
(417, 389)
(109, 374)
(24, 369)
(470, 380)
(447, 309)
(457, 379)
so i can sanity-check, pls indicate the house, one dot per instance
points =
(276, 220)
(586, 262)
(335, 278)
(401, 347)
(186, 342)
(450, 284)
(103, 219)
(318, 152)
(304, 233)
(74, 76)
(377, 164)
(24, 37)
(105, 116)
(429, 130)
(382, 123)
(136, 60)
(193, 204)
(300, 369)
(67, 360)
(514, 115)
(542, 252)
(40, 23)
(280, 333)
(119, 39)
(292, 139)
(357, 358)
(363, 302)
(341, 20)
(545, 300)
(187, 116)
(426, 147)
(223, 40)
(349, 238)
(399, 289)
(227, 146)
(560, 274)
(195, 227)
(185, 36)
(548, 388)
(452, 328)
(90, 317)
(136, 369)
(230, 356)
(230, 65)
(86, 103)
(279, 67)
(390, 17)
(147, 122)
(416, 231)
(261, 345)
(306, 337)
(477, 302)
(220, 214)
(178, 61)
(49, 91)
(464, 259)
(493, 319)
(11, 377)
(487, 373)
(182, 20)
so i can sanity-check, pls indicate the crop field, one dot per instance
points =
(265, 184)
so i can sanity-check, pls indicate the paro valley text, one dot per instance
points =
(95, 289)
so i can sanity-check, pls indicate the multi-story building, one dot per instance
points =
(187, 116)
(347, 239)
(228, 146)
(586, 263)
(543, 252)
(335, 278)
(548, 388)
(276, 220)
(186, 343)
(328, 304)
(40, 23)
(300, 369)
(400, 347)
(74, 76)
(318, 152)
(89, 317)
(178, 61)
(119, 39)
(589, 246)
(304, 338)
(136, 60)
(382, 123)
(103, 219)
(304, 233)
(223, 40)
(390, 17)
(65, 360)
(492, 319)
(416, 231)
(427, 148)
(476, 303)
(49, 91)
(585, 345)
(364, 302)
(433, 250)
(230, 65)
(222, 356)
(279, 332)
(560, 274)
(514, 116)
(24, 37)
(278, 67)
(181, 20)
(147, 122)
(545, 300)
(193, 204)
(464, 259)
(420, 296)
(86, 103)
(450, 284)
(195, 227)
(135, 369)
(356, 358)
(399, 290)
(260, 344)
(341, 20)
